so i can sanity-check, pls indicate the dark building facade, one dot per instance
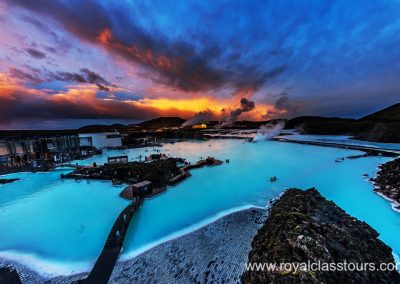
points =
(37, 150)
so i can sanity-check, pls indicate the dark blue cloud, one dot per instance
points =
(336, 57)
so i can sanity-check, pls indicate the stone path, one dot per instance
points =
(216, 253)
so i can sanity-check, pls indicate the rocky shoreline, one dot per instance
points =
(161, 171)
(157, 171)
(302, 227)
(387, 182)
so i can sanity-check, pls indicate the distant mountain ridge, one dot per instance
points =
(101, 128)
(380, 126)
(160, 122)
(312, 123)
(389, 114)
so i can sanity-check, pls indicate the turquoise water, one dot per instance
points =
(62, 225)
(56, 226)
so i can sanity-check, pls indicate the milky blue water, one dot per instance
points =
(62, 225)
(56, 226)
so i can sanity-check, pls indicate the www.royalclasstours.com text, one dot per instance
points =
(321, 266)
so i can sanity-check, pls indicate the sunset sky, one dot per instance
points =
(64, 64)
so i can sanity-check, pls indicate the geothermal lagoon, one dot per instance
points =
(58, 227)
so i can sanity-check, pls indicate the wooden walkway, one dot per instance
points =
(9, 276)
(368, 149)
(104, 265)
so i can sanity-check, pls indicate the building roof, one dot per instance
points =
(105, 133)
(142, 183)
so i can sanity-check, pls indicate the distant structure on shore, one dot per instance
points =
(38, 150)
(200, 126)
(100, 140)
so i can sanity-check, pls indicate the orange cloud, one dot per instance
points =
(147, 56)
(81, 101)
(193, 105)
(18, 101)
(105, 36)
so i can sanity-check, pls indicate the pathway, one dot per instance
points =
(104, 265)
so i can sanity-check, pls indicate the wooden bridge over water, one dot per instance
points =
(370, 150)
(105, 263)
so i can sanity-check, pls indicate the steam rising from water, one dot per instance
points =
(201, 117)
(268, 131)
(245, 106)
